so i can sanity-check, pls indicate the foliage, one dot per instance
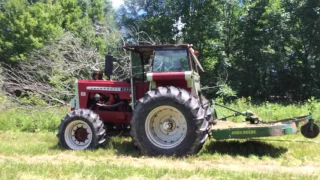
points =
(259, 48)
(271, 111)
(46, 45)
(23, 27)
(225, 92)
(145, 15)
(29, 25)
(50, 75)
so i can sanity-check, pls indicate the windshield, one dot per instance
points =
(173, 60)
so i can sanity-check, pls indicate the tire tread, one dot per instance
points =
(93, 119)
(182, 97)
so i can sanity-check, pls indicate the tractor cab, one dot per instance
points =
(164, 65)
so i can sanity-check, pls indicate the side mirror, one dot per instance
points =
(108, 67)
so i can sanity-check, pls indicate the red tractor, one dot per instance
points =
(162, 107)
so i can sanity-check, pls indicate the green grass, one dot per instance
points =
(29, 150)
(36, 155)
(32, 119)
(39, 119)
(271, 111)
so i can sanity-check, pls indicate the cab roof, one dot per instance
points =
(145, 48)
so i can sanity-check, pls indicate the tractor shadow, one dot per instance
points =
(123, 146)
(232, 148)
(243, 148)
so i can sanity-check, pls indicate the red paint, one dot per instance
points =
(81, 134)
(176, 79)
(176, 83)
(111, 100)
(141, 88)
(168, 76)
(83, 92)
(114, 117)
(110, 116)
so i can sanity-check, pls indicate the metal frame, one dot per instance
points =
(261, 128)
(131, 84)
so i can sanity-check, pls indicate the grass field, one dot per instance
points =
(28, 150)
(26, 155)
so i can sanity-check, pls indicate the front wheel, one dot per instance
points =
(169, 121)
(81, 129)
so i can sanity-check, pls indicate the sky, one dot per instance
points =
(117, 3)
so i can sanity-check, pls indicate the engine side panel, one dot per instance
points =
(102, 86)
(110, 99)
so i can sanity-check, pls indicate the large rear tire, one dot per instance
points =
(211, 117)
(81, 129)
(169, 121)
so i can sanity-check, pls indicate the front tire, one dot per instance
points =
(81, 129)
(169, 121)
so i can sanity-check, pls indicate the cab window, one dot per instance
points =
(170, 60)
(137, 67)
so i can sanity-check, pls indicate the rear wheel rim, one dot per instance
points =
(78, 135)
(166, 127)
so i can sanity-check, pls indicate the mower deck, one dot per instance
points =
(229, 130)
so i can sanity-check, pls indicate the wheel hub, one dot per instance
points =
(166, 127)
(169, 125)
(81, 134)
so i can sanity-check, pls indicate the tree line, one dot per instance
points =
(265, 49)
(27, 25)
(46, 44)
